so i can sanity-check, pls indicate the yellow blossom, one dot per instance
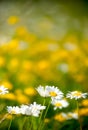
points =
(42, 65)
(13, 64)
(85, 103)
(83, 111)
(21, 98)
(9, 96)
(60, 117)
(21, 31)
(30, 91)
(13, 20)
(7, 84)
(2, 61)
(27, 65)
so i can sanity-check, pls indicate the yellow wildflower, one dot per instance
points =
(7, 84)
(30, 91)
(12, 20)
(2, 61)
(85, 102)
(27, 65)
(9, 96)
(60, 117)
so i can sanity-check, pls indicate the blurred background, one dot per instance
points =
(43, 42)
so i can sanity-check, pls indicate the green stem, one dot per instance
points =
(31, 123)
(41, 115)
(45, 114)
(79, 115)
(10, 123)
(42, 111)
(24, 123)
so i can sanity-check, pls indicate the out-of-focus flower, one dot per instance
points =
(84, 102)
(9, 96)
(3, 90)
(13, 64)
(13, 20)
(59, 103)
(27, 65)
(83, 112)
(63, 67)
(70, 46)
(21, 98)
(21, 31)
(53, 46)
(42, 65)
(72, 115)
(13, 110)
(23, 77)
(30, 91)
(61, 117)
(7, 84)
(2, 61)
(76, 95)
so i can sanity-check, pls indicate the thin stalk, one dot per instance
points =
(25, 120)
(40, 122)
(45, 114)
(42, 111)
(79, 115)
(31, 123)
(10, 123)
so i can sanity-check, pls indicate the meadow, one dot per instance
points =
(43, 65)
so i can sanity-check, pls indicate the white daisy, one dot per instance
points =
(54, 92)
(72, 115)
(13, 110)
(3, 90)
(76, 95)
(42, 91)
(23, 109)
(59, 103)
(33, 109)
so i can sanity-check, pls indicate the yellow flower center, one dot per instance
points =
(13, 112)
(53, 94)
(77, 94)
(58, 104)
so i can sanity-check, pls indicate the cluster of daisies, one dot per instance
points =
(29, 110)
(57, 99)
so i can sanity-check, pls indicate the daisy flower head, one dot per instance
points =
(34, 109)
(61, 117)
(3, 90)
(59, 103)
(23, 109)
(54, 92)
(76, 95)
(42, 91)
(72, 115)
(13, 110)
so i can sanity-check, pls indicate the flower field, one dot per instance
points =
(43, 65)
